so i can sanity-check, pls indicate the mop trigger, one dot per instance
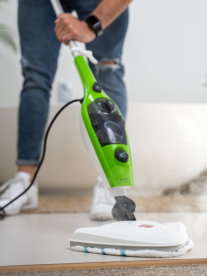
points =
(123, 209)
(86, 53)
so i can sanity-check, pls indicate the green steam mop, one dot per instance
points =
(105, 137)
(104, 134)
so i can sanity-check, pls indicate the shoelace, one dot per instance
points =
(6, 185)
(9, 185)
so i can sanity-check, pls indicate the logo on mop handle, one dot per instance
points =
(146, 226)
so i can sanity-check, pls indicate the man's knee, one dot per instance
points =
(35, 80)
(107, 64)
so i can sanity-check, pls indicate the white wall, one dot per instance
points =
(168, 41)
(165, 54)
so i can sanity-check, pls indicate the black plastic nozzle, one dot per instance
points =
(123, 209)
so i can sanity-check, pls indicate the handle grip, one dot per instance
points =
(76, 51)
(58, 9)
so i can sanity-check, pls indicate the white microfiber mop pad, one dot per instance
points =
(138, 253)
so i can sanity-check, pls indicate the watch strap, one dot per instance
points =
(94, 24)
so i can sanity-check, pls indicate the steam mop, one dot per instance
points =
(105, 137)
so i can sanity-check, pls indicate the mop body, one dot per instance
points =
(133, 239)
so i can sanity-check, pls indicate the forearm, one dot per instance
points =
(108, 10)
(68, 27)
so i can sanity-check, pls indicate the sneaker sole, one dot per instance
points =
(101, 217)
(30, 206)
(33, 205)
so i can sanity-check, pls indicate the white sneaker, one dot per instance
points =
(13, 188)
(103, 202)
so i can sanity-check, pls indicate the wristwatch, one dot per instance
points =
(94, 24)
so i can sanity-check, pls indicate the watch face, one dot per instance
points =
(93, 20)
(95, 24)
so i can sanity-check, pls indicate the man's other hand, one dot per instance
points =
(68, 27)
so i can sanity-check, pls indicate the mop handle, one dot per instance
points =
(76, 51)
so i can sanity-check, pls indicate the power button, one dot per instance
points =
(121, 156)
(96, 87)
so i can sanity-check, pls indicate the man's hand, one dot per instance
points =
(68, 27)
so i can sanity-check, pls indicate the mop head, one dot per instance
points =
(141, 238)
(137, 253)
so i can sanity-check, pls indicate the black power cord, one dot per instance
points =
(2, 211)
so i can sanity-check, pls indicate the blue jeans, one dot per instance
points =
(40, 50)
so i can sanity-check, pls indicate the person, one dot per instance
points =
(41, 35)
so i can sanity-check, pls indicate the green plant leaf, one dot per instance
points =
(7, 37)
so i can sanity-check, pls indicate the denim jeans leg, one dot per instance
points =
(40, 49)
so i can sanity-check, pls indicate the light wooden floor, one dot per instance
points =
(40, 242)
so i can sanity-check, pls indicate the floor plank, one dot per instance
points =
(80, 266)
(39, 240)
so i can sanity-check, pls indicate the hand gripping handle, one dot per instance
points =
(76, 51)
